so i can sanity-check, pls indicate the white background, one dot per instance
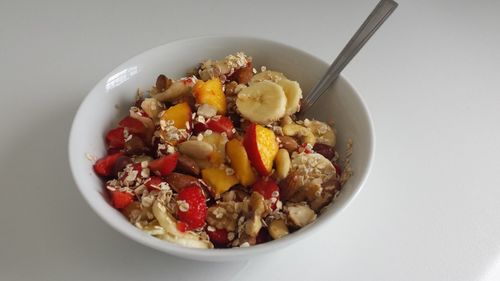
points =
(429, 211)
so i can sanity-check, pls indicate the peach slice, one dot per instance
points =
(218, 180)
(240, 162)
(262, 147)
(211, 93)
(180, 114)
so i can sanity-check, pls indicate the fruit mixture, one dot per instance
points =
(219, 159)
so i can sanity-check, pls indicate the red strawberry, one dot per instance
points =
(104, 166)
(121, 199)
(218, 237)
(164, 165)
(115, 139)
(221, 125)
(182, 226)
(153, 183)
(268, 189)
(133, 125)
(194, 212)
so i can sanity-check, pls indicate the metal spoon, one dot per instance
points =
(379, 14)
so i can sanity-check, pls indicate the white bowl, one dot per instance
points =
(110, 98)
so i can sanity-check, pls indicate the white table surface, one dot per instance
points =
(429, 211)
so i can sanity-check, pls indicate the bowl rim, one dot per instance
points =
(174, 249)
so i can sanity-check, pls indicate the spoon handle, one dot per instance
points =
(379, 14)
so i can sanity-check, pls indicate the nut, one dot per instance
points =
(223, 215)
(141, 158)
(162, 83)
(229, 89)
(290, 185)
(278, 229)
(135, 145)
(302, 132)
(176, 90)
(245, 74)
(178, 181)
(299, 214)
(196, 149)
(120, 164)
(256, 205)
(152, 107)
(255, 211)
(330, 188)
(187, 165)
(253, 226)
(282, 161)
(307, 193)
(323, 132)
(288, 143)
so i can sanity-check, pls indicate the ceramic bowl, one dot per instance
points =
(111, 97)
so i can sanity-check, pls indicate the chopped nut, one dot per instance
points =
(187, 165)
(288, 143)
(278, 229)
(178, 181)
(223, 215)
(196, 149)
(302, 132)
(299, 214)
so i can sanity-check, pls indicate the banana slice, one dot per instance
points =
(267, 75)
(293, 94)
(323, 132)
(262, 102)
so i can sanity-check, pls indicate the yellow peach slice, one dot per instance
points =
(240, 162)
(218, 180)
(180, 114)
(211, 93)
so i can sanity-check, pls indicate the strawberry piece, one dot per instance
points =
(133, 125)
(104, 166)
(121, 199)
(164, 165)
(221, 125)
(195, 211)
(268, 189)
(115, 139)
(182, 226)
(218, 237)
(153, 183)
